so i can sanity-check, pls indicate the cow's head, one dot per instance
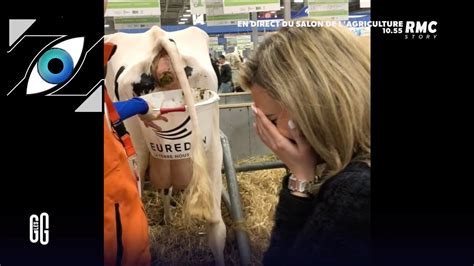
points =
(141, 65)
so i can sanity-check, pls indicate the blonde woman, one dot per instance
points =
(311, 92)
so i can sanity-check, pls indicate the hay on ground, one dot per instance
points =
(177, 243)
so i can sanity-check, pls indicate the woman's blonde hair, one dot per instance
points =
(321, 76)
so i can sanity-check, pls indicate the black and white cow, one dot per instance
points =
(158, 60)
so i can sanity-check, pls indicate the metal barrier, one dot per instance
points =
(235, 206)
(231, 197)
(236, 121)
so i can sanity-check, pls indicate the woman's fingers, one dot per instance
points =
(269, 141)
(270, 134)
(301, 142)
(267, 126)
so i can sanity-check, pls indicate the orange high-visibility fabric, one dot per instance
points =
(120, 187)
(123, 208)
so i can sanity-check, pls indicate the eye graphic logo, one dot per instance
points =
(55, 66)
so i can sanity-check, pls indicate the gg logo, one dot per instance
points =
(39, 228)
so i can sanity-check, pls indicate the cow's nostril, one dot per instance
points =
(166, 78)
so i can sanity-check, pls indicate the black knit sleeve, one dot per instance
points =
(334, 230)
(290, 216)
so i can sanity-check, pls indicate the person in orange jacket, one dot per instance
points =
(125, 223)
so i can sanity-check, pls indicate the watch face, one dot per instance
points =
(310, 187)
(297, 185)
(292, 184)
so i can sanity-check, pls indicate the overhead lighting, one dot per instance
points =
(281, 7)
(181, 22)
(299, 1)
(186, 15)
(188, 10)
(183, 19)
(106, 26)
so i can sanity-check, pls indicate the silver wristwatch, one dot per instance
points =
(303, 186)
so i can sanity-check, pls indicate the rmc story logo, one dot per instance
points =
(421, 29)
(413, 30)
